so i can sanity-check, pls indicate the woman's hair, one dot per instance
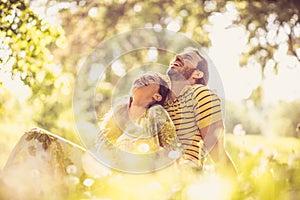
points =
(116, 120)
(153, 77)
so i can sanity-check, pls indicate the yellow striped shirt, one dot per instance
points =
(196, 107)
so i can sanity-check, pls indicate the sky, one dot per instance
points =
(228, 43)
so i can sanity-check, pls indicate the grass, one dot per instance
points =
(280, 148)
(269, 169)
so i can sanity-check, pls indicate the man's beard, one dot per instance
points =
(177, 76)
(173, 74)
(188, 73)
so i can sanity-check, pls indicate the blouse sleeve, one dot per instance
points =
(111, 126)
(161, 126)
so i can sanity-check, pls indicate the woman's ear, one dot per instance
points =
(157, 97)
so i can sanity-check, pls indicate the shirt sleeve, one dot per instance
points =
(206, 106)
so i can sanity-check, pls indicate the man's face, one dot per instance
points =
(183, 65)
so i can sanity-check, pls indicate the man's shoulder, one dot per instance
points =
(192, 89)
(198, 86)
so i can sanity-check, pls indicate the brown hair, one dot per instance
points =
(201, 65)
(153, 77)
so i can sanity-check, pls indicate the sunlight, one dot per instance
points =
(15, 86)
(51, 56)
(288, 87)
(152, 54)
(228, 41)
(174, 25)
(118, 68)
(211, 187)
(137, 8)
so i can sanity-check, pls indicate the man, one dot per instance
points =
(196, 111)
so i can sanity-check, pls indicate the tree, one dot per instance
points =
(43, 54)
(271, 32)
(25, 41)
(273, 28)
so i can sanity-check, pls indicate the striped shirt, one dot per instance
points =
(196, 107)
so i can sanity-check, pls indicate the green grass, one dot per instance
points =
(269, 168)
(280, 148)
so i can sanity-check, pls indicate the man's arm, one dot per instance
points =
(208, 115)
(213, 136)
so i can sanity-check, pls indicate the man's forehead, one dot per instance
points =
(189, 54)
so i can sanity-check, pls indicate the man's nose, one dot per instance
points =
(178, 57)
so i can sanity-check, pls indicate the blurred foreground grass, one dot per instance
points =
(269, 168)
(279, 148)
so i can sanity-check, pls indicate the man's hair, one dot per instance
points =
(201, 65)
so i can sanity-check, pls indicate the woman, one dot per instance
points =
(45, 166)
(139, 129)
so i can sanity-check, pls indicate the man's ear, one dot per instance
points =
(197, 74)
(157, 97)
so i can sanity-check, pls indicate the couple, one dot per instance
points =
(192, 126)
(185, 117)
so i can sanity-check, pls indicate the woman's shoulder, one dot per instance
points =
(157, 111)
(156, 108)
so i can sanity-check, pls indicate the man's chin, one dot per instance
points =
(172, 72)
(174, 75)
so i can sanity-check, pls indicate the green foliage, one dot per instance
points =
(269, 28)
(281, 119)
(267, 170)
(101, 20)
(47, 57)
(285, 118)
(27, 39)
(259, 159)
(275, 159)
(248, 117)
(39, 54)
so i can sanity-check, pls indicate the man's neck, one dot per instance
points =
(177, 86)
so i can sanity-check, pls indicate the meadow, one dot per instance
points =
(269, 168)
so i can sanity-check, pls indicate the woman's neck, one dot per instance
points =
(136, 110)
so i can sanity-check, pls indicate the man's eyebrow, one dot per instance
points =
(188, 56)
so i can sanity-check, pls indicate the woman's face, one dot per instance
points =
(147, 94)
(145, 90)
